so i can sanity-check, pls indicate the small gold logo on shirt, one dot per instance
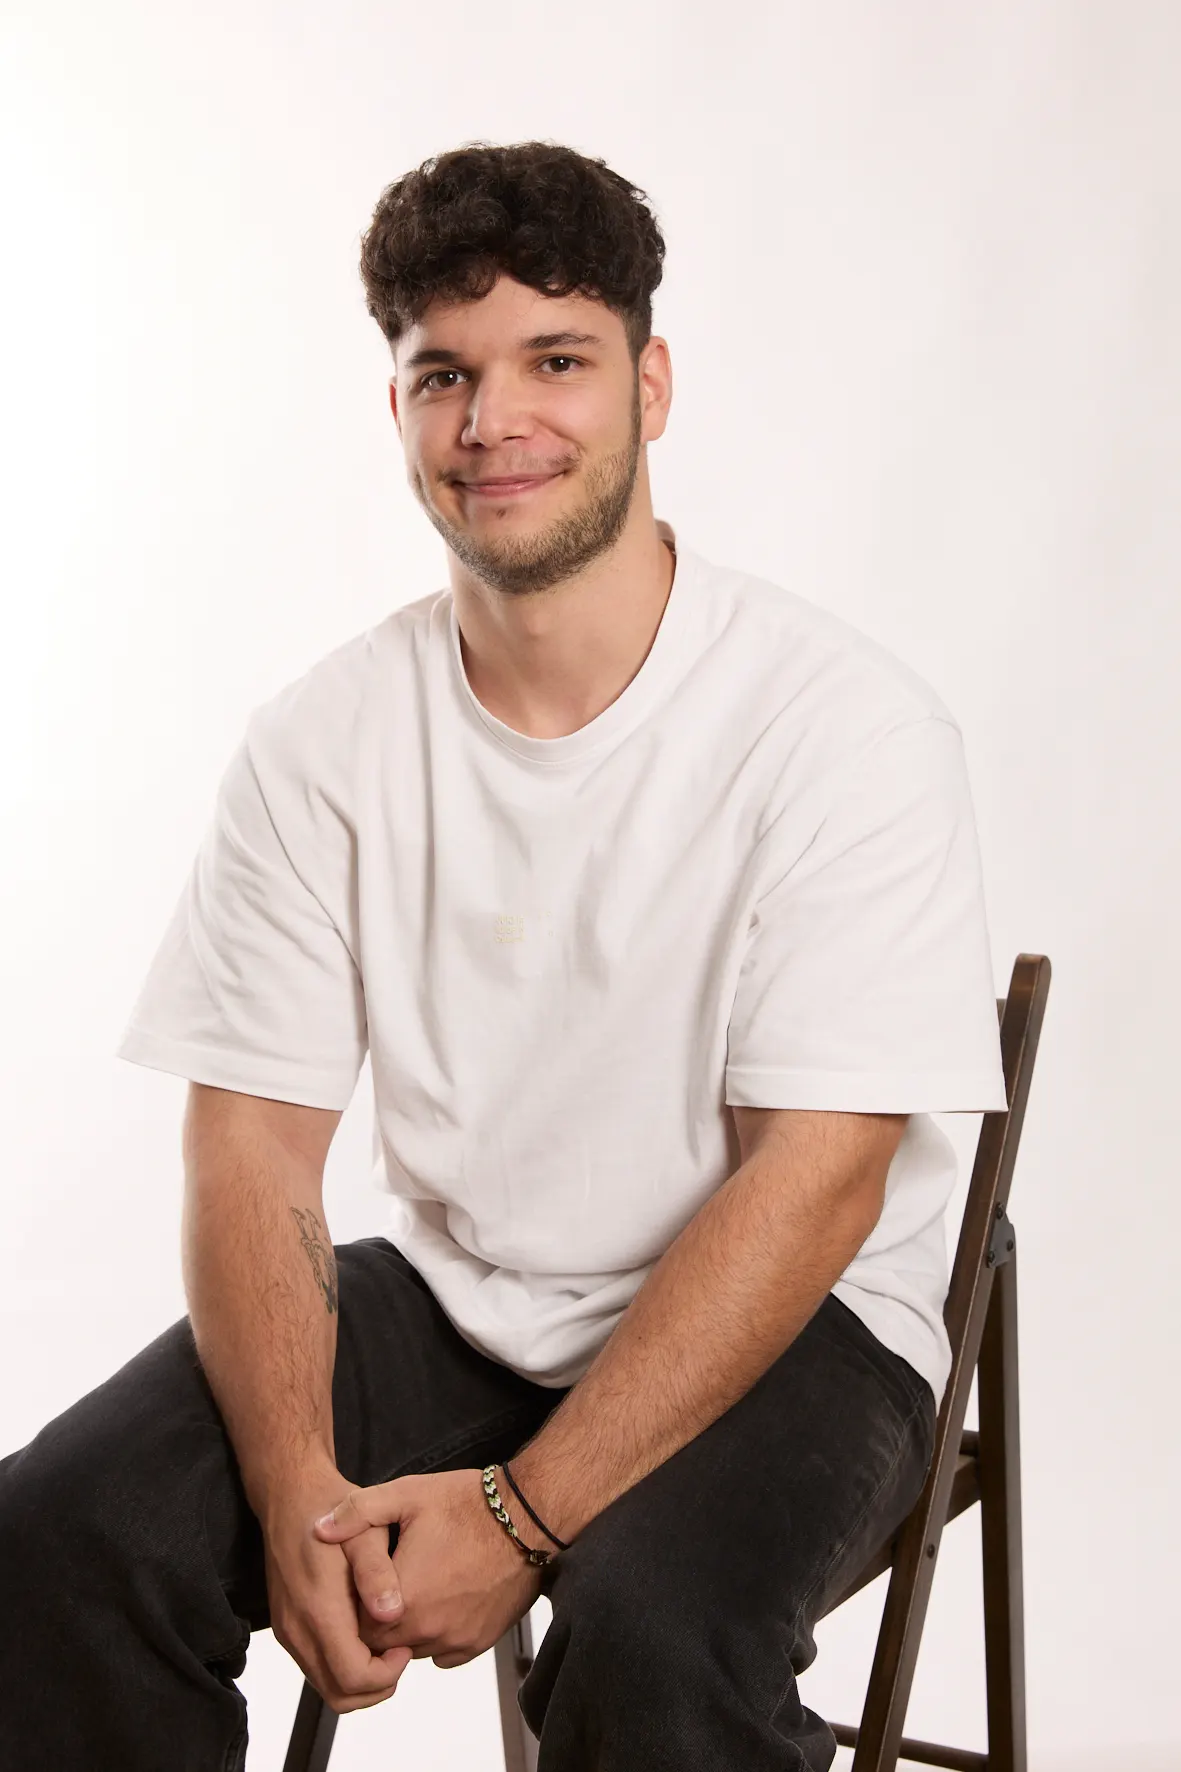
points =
(510, 928)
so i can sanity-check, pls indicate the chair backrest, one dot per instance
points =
(986, 1236)
(986, 1242)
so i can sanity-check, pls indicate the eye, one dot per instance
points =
(427, 379)
(430, 378)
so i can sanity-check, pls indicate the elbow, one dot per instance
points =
(863, 1197)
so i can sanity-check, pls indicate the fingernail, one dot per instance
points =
(325, 1520)
(388, 1602)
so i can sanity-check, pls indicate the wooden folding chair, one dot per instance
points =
(966, 1467)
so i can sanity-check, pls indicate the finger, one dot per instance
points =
(356, 1677)
(326, 1642)
(340, 1674)
(375, 1575)
(350, 1691)
(343, 1699)
(360, 1509)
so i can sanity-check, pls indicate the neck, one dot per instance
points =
(548, 665)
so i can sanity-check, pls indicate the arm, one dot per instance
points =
(260, 1274)
(728, 1295)
(260, 1277)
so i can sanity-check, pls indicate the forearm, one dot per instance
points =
(726, 1298)
(260, 1278)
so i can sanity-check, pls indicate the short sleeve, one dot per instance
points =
(866, 984)
(254, 986)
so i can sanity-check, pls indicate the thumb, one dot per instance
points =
(378, 1505)
(375, 1575)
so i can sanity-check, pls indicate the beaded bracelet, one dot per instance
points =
(498, 1508)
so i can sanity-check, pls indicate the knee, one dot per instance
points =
(635, 1600)
(43, 1508)
(649, 1633)
(623, 1600)
(59, 1496)
(96, 1474)
(595, 1593)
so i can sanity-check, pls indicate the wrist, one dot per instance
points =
(523, 1539)
(529, 1499)
(309, 1483)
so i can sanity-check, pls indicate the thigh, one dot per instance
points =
(144, 1466)
(409, 1394)
(746, 1534)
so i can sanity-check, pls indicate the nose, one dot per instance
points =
(498, 411)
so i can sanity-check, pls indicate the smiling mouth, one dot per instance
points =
(507, 488)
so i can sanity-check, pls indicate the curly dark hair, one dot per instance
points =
(551, 218)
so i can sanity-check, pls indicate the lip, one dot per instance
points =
(507, 488)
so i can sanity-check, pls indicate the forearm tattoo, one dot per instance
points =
(318, 1247)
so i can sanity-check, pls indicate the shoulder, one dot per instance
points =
(300, 762)
(319, 717)
(809, 669)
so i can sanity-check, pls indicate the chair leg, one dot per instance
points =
(1000, 1526)
(315, 1724)
(514, 1658)
(879, 1736)
(311, 1737)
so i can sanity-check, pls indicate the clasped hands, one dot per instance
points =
(455, 1581)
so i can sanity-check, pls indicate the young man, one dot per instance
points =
(653, 892)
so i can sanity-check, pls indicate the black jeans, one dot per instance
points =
(131, 1564)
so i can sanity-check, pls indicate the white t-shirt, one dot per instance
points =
(753, 878)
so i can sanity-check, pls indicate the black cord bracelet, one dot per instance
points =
(513, 1486)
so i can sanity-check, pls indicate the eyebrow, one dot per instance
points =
(541, 341)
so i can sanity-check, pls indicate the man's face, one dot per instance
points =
(492, 389)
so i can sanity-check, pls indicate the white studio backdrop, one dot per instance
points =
(921, 297)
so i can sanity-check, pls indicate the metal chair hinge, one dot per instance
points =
(1003, 1241)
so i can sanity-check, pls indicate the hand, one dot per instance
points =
(315, 1613)
(460, 1579)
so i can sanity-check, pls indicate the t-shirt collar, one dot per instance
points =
(629, 707)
